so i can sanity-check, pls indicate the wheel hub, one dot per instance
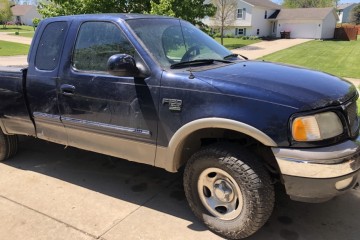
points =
(220, 194)
(223, 191)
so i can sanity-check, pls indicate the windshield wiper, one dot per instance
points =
(234, 55)
(197, 62)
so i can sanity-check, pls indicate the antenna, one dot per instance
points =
(191, 76)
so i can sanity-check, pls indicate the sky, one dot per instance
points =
(341, 1)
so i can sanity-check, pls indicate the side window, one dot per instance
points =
(96, 43)
(50, 46)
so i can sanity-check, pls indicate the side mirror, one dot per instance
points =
(122, 65)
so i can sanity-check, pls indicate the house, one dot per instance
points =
(317, 23)
(264, 18)
(345, 11)
(249, 18)
(24, 14)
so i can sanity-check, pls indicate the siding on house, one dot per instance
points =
(253, 22)
(26, 13)
(345, 12)
(328, 28)
(264, 18)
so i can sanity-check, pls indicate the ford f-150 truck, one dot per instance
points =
(157, 90)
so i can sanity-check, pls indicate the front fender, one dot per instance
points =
(169, 157)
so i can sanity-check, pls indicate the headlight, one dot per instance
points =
(316, 127)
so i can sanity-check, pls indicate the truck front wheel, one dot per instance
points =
(229, 190)
(8, 146)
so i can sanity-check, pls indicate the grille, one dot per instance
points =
(351, 112)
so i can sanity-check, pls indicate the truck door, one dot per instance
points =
(104, 113)
(41, 82)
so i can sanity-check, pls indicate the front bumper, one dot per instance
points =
(319, 174)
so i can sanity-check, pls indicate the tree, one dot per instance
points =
(36, 22)
(309, 3)
(72, 7)
(164, 7)
(5, 12)
(356, 15)
(225, 14)
(189, 10)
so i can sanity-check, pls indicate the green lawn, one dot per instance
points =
(341, 58)
(231, 43)
(12, 49)
(25, 34)
(14, 28)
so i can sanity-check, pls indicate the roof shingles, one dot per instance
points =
(304, 13)
(21, 10)
(263, 3)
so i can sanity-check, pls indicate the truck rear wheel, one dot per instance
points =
(8, 146)
(229, 190)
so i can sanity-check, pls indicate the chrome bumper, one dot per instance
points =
(328, 162)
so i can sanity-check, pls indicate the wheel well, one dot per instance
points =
(204, 137)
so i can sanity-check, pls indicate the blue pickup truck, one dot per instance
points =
(158, 91)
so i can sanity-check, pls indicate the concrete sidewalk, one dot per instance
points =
(263, 48)
(13, 61)
(48, 192)
(5, 36)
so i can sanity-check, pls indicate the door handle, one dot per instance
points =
(67, 90)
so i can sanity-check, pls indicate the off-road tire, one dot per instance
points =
(8, 146)
(252, 179)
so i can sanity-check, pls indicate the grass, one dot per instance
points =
(12, 49)
(232, 43)
(340, 58)
(15, 28)
(24, 34)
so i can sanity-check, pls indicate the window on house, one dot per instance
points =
(240, 31)
(241, 13)
(265, 14)
(257, 31)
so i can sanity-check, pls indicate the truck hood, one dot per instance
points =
(295, 87)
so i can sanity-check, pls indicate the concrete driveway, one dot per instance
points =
(263, 48)
(51, 192)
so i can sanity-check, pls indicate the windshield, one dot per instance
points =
(172, 41)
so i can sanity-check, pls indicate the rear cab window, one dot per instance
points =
(50, 46)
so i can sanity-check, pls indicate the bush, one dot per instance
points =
(253, 37)
(217, 35)
(36, 22)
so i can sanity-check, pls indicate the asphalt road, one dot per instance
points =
(51, 192)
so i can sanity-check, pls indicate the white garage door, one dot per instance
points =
(304, 30)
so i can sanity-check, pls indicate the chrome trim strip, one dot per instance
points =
(45, 115)
(91, 124)
(327, 162)
(85, 124)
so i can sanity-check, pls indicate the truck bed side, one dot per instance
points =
(14, 114)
